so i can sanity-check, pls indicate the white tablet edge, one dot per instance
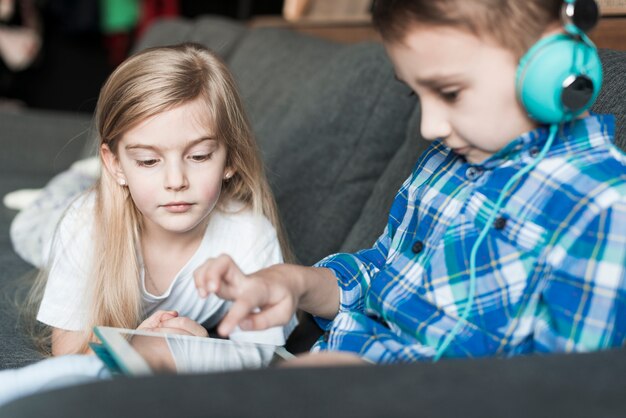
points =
(132, 363)
(129, 360)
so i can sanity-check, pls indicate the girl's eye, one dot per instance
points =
(147, 163)
(201, 157)
(450, 95)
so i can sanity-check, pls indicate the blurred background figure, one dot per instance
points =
(20, 40)
(56, 54)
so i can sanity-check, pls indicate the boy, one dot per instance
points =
(508, 237)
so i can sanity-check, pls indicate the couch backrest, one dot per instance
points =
(328, 117)
(338, 133)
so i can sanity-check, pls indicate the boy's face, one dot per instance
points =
(466, 86)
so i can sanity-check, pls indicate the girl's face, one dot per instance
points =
(466, 87)
(174, 167)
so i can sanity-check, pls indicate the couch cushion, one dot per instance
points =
(370, 225)
(612, 97)
(219, 34)
(41, 142)
(328, 118)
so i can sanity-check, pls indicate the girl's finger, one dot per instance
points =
(186, 324)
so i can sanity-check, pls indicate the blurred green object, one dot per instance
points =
(118, 15)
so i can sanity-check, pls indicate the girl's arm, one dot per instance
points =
(270, 296)
(67, 342)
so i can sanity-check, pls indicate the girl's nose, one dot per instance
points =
(175, 178)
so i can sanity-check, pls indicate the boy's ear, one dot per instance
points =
(112, 163)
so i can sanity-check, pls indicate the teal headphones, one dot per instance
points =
(560, 76)
(557, 79)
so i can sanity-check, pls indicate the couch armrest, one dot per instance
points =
(566, 385)
(42, 142)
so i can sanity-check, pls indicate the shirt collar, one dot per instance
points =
(578, 135)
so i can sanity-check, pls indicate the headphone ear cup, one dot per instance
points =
(547, 68)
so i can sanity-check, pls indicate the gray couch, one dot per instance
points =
(339, 135)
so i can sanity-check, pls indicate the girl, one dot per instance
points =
(182, 181)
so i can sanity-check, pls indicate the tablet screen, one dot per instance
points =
(140, 352)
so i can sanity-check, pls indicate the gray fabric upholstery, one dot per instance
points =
(339, 115)
(41, 142)
(373, 219)
(220, 35)
(573, 386)
(35, 146)
(612, 97)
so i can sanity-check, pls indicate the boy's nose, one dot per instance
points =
(175, 178)
(434, 123)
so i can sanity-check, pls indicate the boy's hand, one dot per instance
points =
(168, 322)
(261, 300)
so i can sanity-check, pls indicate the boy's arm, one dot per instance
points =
(274, 293)
(353, 273)
(584, 300)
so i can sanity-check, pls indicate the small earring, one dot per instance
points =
(227, 176)
(121, 181)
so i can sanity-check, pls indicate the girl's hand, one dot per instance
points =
(168, 322)
(261, 300)
(154, 321)
(182, 325)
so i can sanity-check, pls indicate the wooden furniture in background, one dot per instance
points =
(349, 21)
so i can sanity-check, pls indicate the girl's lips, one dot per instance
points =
(177, 207)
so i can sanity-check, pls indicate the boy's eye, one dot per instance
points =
(147, 163)
(201, 157)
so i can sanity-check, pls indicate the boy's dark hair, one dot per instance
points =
(513, 24)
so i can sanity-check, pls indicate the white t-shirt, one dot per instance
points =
(250, 239)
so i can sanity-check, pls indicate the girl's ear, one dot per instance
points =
(112, 164)
(229, 172)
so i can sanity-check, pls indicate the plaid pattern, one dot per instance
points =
(551, 273)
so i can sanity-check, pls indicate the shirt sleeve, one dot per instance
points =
(64, 304)
(355, 271)
(583, 304)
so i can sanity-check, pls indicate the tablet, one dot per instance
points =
(137, 353)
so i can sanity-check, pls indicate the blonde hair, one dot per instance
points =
(513, 24)
(147, 84)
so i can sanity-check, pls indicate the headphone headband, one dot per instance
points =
(579, 16)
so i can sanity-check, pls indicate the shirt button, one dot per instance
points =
(473, 173)
(418, 246)
(500, 223)
(534, 151)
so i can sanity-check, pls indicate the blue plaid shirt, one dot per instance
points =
(551, 273)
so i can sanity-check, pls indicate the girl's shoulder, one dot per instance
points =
(80, 208)
(238, 219)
